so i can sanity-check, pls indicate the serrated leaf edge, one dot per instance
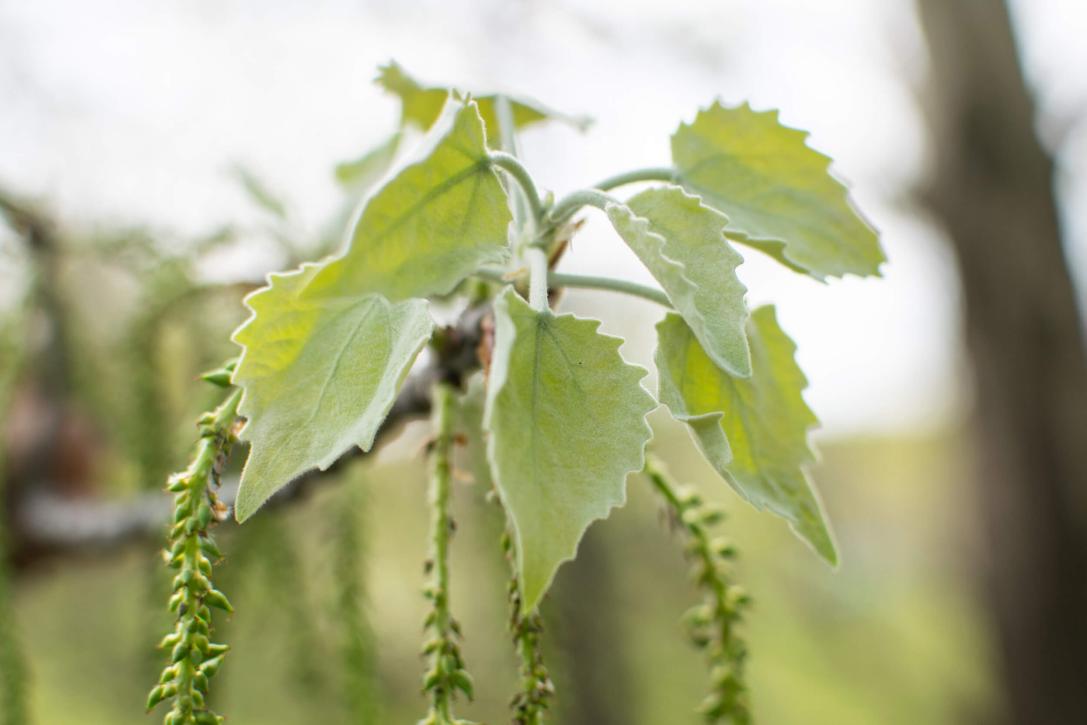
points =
(324, 463)
(661, 244)
(498, 383)
(831, 557)
(776, 243)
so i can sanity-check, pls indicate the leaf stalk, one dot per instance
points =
(513, 166)
(574, 201)
(584, 281)
(658, 173)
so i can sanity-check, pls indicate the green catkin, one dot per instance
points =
(13, 669)
(534, 697)
(712, 625)
(285, 579)
(358, 640)
(194, 658)
(13, 666)
(446, 674)
(13, 673)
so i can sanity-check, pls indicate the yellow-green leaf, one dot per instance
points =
(436, 222)
(566, 417)
(754, 431)
(319, 377)
(421, 105)
(778, 192)
(360, 173)
(682, 242)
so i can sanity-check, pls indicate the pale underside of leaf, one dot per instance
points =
(566, 419)
(754, 431)
(319, 377)
(681, 241)
(421, 105)
(431, 225)
(778, 192)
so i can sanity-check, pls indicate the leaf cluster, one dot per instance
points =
(328, 345)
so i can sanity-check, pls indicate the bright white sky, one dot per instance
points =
(132, 111)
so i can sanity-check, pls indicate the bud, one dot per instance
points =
(215, 598)
(723, 548)
(211, 666)
(712, 514)
(208, 546)
(157, 695)
(463, 682)
(217, 649)
(169, 641)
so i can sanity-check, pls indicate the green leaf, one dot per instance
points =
(421, 105)
(367, 169)
(682, 243)
(566, 417)
(778, 193)
(433, 224)
(753, 431)
(319, 377)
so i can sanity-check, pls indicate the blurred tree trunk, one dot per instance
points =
(993, 188)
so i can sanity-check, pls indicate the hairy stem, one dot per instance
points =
(507, 139)
(538, 278)
(582, 281)
(446, 674)
(576, 200)
(712, 625)
(659, 173)
(513, 166)
(527, 224)
(194, 659)
(560, 279)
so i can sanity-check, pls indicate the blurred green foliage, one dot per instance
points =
(891, 637)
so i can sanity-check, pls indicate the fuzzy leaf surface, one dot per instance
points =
(437, 221)
(421, 105)
(566, 417)
(682, 243)
(319, 377)
(778, 192)
(753, 431)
